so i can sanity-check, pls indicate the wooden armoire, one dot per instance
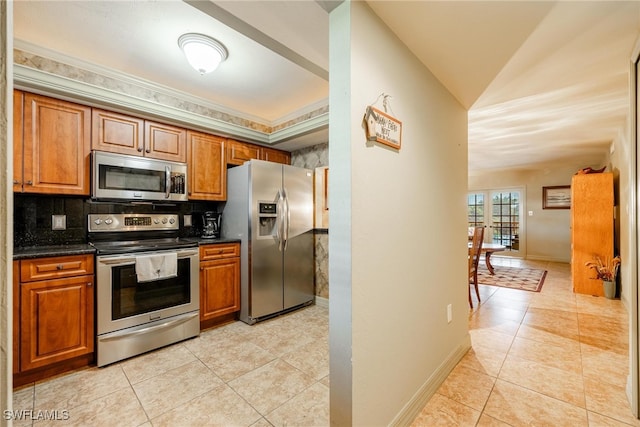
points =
(592, 225)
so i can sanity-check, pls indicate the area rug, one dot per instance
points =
(526, 279)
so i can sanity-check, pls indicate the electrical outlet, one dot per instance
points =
(58, 222)
(449, 314)
(187, 220)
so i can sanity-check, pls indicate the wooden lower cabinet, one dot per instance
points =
(54, 316)
(219, 283)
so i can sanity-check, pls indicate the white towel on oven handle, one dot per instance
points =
(156, 267)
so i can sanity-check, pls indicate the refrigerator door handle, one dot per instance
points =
(280, 221)
(287, 213)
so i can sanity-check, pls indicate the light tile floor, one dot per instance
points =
(552, 358)
(273, 373)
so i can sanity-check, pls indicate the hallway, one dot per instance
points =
(550, 358)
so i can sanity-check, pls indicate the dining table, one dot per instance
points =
(489, 249)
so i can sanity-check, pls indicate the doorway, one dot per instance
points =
(500, 211)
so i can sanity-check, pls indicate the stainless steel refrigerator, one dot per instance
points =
(270, 209)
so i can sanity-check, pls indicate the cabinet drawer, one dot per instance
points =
(218, 251)
(55, 267)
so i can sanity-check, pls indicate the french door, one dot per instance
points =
(500, 211)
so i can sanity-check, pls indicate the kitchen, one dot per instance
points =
(71, 209)
(135, 204)
(375, 282)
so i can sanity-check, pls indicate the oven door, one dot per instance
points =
(123, 302)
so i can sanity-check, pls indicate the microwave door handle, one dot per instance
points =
(167, 170)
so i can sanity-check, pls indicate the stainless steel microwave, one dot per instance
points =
(122, 177)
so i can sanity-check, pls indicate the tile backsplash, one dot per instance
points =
(32, 217)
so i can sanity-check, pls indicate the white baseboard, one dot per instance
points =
(322, 302)
(544, 258)
(415, 405)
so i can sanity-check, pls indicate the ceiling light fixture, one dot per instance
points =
(203, 53)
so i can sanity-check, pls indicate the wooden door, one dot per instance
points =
(56, 146)
(219, 288)
(239, 152)
(207, 167)
(165, 142)
(18, 107)
(56, 320)
(117, 133)
(276, 156)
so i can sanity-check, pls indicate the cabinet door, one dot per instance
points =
(165, 142)
(276, 156)
(592, 224)
(18, 106)
(207, 167)
(56, 320)
(16, 316)
(240, 152)
(219, 288)
(56, 146)
(117, 133)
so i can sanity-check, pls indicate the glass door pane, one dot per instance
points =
(475, 209)
(505, 219)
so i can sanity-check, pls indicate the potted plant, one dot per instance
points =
(606, 271)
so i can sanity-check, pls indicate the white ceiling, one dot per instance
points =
(544, 82)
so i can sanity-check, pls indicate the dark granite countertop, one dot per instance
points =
(202, 241)
(27, 252)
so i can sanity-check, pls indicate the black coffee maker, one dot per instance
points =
(211, 225)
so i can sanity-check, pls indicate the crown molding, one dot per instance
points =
(72, 90)
(45, 83)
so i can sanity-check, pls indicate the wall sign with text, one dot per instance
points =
(383, 128)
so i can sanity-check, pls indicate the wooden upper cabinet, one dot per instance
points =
(165, 142)
(207, 167)
(56, 146)
(239, 152)
(18, 106)
(276, 156)
(117, 133)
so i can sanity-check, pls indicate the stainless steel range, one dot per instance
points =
(147, 284)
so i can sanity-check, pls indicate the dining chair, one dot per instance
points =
(474, 258)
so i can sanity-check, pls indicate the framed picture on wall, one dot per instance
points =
(556, 197)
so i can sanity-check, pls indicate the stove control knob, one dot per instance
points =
(108, 221)
(164, 220)
(98, 221)
(156, 221)
(172, 221)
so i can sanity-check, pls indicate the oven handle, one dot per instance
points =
(128, 259)
(174, 322)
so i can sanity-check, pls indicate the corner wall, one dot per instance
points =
(398, 247)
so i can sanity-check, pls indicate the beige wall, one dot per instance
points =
(621, 162)
(398, 250)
